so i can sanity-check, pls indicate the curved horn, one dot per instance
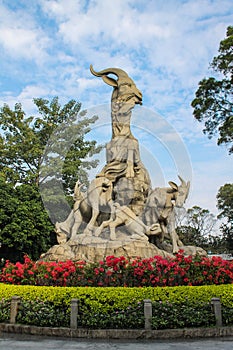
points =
(117, 71)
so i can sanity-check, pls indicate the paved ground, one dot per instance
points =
(19, 342)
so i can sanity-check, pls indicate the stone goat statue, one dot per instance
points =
(135, 227)
(98, 198)
(160, 208)
(87, 207)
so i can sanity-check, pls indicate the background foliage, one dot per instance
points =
(225, 205)
(213, 103)
(43, 155)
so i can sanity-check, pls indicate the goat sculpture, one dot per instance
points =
(160, 207)
(87, 208)
(121, 198)
(97, 199)
(124, 97)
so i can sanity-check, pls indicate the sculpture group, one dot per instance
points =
(120, 210)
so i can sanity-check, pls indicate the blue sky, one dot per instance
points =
(46, 48)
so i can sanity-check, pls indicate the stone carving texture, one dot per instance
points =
(120, 213)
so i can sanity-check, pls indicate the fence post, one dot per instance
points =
(216, 304)
(15, 302)
(74, 313)
(148, 313)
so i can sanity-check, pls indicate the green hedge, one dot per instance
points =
(119, 307)
(104, 299)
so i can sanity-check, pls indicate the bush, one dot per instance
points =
(106, 299)
(43, 314)
(171, 315)
(227, 315)
(113, 271)
(117, 307)
(129, 318)
(166, 315)
(4, 310)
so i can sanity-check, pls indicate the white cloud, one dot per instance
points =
(84, 84)
(33, 90)
(20, 37)
(22, 43)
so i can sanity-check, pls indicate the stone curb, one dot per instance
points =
(185, 333)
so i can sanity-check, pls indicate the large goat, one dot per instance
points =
(98, 199)
(160, 208)
(87, 207)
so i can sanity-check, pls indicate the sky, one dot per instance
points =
(47, 46)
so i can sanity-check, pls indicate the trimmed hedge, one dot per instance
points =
(117, 307)
(108, 298)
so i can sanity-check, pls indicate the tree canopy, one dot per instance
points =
(48, 146)
(225, 202)
(213, 102)
(225, 206)
(41, 157)
(196, 227)
(25, 227)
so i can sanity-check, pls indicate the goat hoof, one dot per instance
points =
(97, 232)
(87, 232)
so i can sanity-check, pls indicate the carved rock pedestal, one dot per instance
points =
(94, 249)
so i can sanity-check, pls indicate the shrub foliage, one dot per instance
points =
(114, 271)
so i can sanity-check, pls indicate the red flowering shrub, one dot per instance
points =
(114, 271)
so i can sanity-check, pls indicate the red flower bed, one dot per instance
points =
(113, 271)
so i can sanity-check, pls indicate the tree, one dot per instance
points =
(38, 149)
(225, 205)
(213, 103)
(25, 227)
(195, 227)
(225, 202)
(41, 157)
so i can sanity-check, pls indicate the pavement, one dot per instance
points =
(27, 342)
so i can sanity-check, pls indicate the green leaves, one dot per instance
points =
(24, 224)
(20, 150)
(172, 308)
(37, 148)
(225, 201)
(41, 155)
(224, 61)
(225, 205)
(213, 103)
(196, 228)
(187, 314)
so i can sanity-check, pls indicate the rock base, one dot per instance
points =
(94, 249)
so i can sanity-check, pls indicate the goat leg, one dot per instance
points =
(91, 224)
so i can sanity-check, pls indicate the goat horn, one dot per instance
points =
(183, 183)
(117, 71)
